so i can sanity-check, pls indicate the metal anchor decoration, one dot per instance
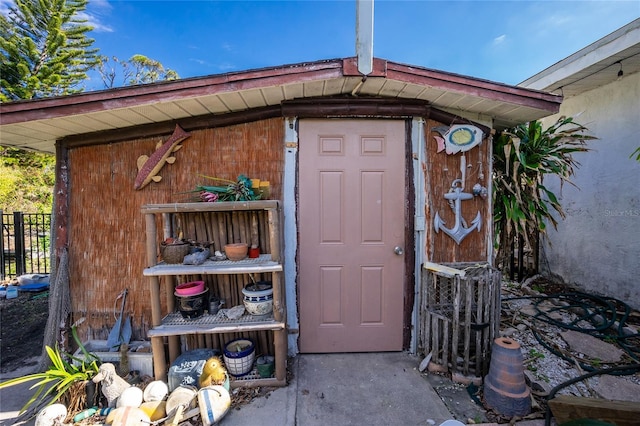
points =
(459, 230)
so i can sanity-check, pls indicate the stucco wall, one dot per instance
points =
(597, 246)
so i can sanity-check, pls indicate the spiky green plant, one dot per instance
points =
(60, 377)
(523, 157)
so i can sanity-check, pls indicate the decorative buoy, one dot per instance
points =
(214, 402)
(130, 397)
(51, 414)
(156, 391)
(505, 389)
(127, 416)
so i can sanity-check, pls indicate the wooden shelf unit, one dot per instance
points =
(196, 222)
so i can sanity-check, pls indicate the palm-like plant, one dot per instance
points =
(523, 156)
(61, 376)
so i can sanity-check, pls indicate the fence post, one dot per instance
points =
(18, 231)
(2, 259)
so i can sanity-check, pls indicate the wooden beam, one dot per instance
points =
(568, 407)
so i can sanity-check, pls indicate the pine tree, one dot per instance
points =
(44, 49)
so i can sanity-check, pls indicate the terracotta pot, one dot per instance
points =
(236, 251)
(505, 389)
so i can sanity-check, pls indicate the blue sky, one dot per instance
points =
(504, 41)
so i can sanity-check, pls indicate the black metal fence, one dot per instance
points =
(25, 242)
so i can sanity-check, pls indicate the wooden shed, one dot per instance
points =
(370, 178)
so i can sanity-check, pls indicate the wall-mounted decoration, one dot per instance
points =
(149, 167)
(460, 229)
(457, 138)
(480, 191)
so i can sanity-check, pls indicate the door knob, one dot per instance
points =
(398, 250)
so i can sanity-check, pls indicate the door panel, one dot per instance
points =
(351, 217)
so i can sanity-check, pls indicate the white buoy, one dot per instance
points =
(52, 414)
(130, 397)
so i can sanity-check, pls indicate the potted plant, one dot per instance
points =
(65, 380)
(238, 356)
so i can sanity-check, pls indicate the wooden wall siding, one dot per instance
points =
(107, 230)
(441, 170)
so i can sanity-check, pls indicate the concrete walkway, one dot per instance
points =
(336, 389)
(348, 389)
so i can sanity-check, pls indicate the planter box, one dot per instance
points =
(140, 356)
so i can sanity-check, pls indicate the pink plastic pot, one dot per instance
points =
(190, 288)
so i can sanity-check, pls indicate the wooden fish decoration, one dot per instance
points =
(149, 167)
(457, 138)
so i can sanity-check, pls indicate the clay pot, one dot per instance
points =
(236, 251)
(505, 389)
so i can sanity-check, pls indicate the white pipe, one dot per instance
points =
(364, 36)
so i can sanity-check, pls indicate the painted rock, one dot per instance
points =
(156, 410)
(130, 397)
(214, 402)
(156, 391)
(128, 416)
(53, 414)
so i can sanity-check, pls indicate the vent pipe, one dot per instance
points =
(364, 36)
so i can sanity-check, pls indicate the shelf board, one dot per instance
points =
(263, 263)
(253, 379)
(175, 325)
(207, 207)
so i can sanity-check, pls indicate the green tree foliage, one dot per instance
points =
(136, 70)
(523, 157)
(44, 50)
(26, 181)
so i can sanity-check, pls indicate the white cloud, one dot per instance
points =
(95, 22)
(227, 46)
(94, 14)
(499, 40)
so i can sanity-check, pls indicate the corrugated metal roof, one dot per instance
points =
(37, 124)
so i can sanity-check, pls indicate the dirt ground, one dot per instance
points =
(22, 324)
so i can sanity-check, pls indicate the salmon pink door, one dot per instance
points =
(351, 233)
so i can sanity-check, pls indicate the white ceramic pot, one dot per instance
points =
(258, 298)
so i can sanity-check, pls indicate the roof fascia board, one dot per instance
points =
(611, 45)
(476, 87)
(23, 111)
